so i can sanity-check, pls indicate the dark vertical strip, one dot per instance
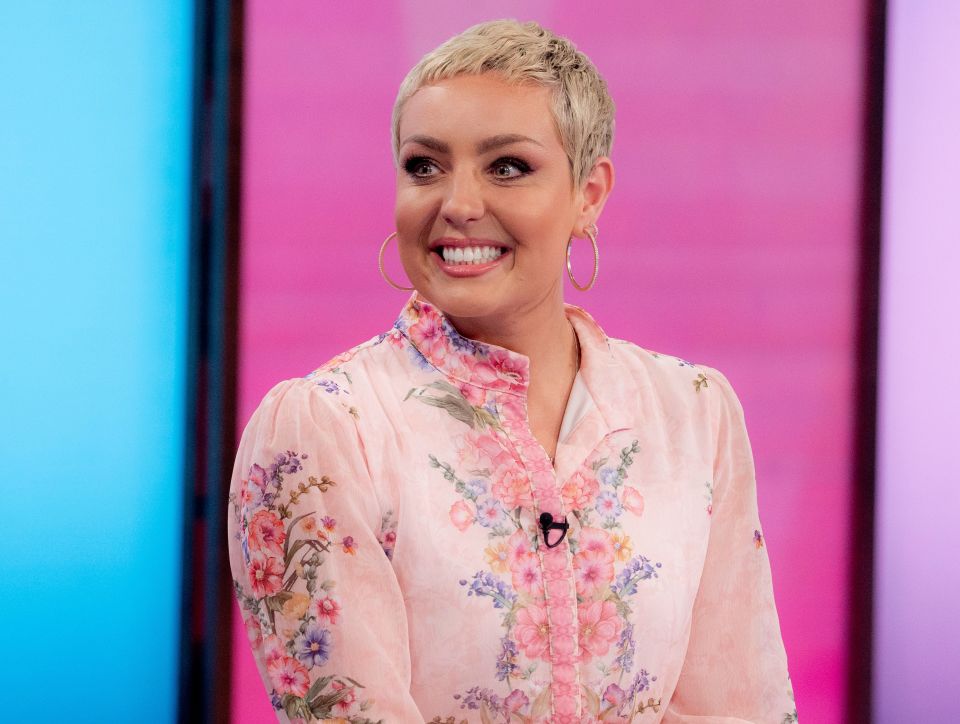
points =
(207, 600)
(860, 665)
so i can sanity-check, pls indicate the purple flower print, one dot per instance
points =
(486, 584)
(641, 683)
(313, 645)
(516, 701)
(458, 341)
(608, 476)
(489, 512)
(475, 487)
(476, 696)
(625, 647)
(506, 661)
(608, 505)
(286, 463)
(616, 696)
(418, 359)
(638, 569)
(329, 385)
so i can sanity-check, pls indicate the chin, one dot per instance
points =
(463, 303)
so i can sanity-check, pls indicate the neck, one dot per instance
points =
(542, 333)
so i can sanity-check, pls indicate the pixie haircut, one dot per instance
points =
(526, 53)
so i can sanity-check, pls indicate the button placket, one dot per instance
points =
(557, 571)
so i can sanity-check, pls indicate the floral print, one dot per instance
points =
(294, 629)
(390, 566)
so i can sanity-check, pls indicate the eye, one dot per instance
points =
(509, 168)
(419, 167)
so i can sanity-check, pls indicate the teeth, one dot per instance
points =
(470, 254)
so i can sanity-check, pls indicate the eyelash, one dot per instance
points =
(412, 163)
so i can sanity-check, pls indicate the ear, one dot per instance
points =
(594, 192)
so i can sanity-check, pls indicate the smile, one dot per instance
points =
(469, 254)
(468, 260)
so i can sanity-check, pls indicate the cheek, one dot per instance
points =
(411, 208)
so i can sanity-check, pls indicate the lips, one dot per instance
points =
(467, 257)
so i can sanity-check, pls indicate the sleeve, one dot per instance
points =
(319, 597)
(735, 668)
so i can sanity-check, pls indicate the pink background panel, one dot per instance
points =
(730, 238)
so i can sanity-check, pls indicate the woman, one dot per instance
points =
(493, 512)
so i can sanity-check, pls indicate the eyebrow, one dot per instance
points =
(487, 144)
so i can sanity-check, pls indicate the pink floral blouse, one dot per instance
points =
(394, 561)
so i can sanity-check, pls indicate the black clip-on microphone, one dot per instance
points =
(547, 524)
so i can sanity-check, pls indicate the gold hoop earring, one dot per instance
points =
(383, 273)
(592, 235)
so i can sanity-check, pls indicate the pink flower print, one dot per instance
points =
(614, 695)
(428, 336)
(593, 572)
(461, 515)
(254, 632)
(480, 372)
(257, 477)
(395, 337)
(472, 394)
(509, 367)
(579, 491)
(597, 541)
(289, 676)
(265, 574)
(608, 505)
(349, 545)
(599, 627)
(758, 539)
(526, 574)
(518, 546)
(348, 697)
(513, 489)
(515, 701)
(532, 632)
(632, 500)
(512, 407)
(483, 451)
(328, 523)
(309, 525)
(251, 494)
(266, 532)
(326, 609)
(338, 360)
(273, 649)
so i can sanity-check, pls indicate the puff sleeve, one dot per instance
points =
(318, 594)
(735, 668)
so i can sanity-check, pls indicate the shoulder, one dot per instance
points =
(665, 369)
(677, 381)
(328, 396)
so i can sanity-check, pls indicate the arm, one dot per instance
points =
(735, 669)
(318, 595)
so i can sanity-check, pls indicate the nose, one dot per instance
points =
(463, 200)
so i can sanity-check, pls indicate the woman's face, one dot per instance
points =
(482, 169)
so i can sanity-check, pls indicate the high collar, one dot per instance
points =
(502, 370)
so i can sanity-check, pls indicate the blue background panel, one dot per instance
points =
(95, 121)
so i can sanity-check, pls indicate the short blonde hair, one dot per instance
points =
(526, 53)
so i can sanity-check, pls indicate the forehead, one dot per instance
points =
(470, 107)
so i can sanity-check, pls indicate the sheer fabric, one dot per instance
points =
(389, 565)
